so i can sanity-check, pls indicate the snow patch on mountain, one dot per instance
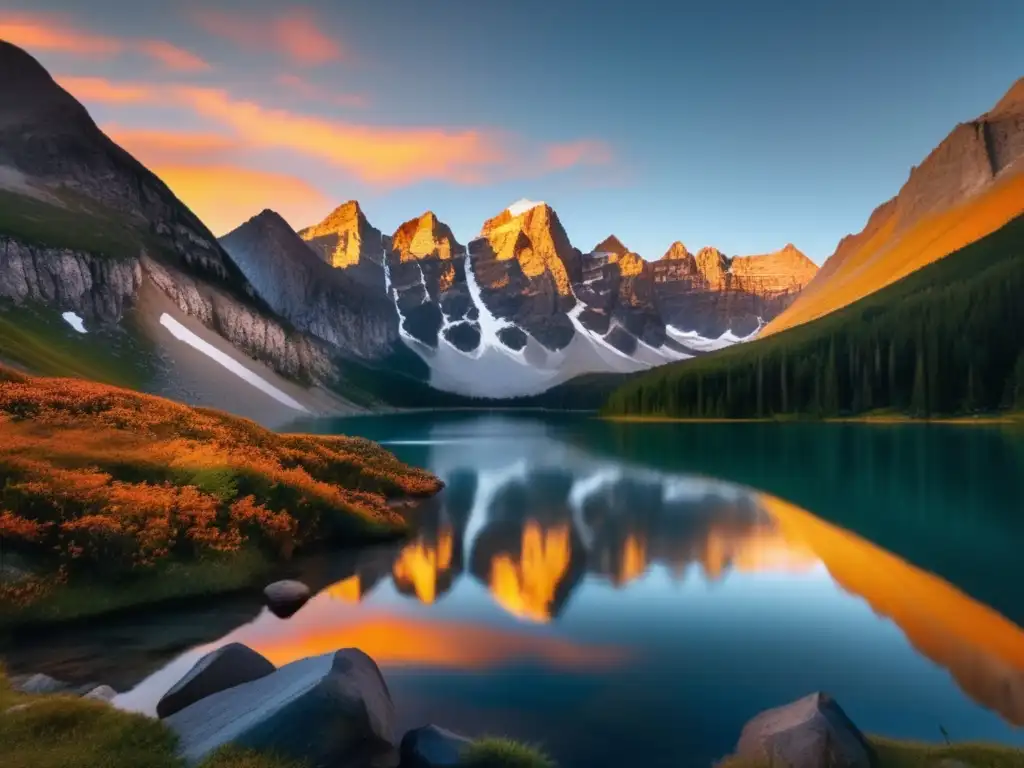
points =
(181, 333)
(76, 322)
(698, 343)
(522, 205)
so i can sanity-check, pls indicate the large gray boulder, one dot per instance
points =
(432, 747)
(223, 668)
(812, 732)
(328, 711)
(286, 597)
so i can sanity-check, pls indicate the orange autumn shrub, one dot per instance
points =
(102, 479)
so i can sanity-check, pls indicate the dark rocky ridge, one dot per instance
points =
(325, 302)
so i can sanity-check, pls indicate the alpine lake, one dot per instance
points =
(632, 593)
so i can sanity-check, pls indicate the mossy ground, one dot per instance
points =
(908, 754)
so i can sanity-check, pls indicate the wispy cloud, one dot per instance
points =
(295, 34)
(99, 89)
(58, 33)
(582, 152)
(310, 91)
(51, 32)
(382, 155)
(172, 57)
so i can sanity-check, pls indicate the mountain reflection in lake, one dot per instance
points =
(619, 611)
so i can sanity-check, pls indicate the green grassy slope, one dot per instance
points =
(945, 340)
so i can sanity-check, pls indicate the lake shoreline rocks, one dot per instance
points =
(335, 710)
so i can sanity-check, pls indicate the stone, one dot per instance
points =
(101, 693)
(285, 597)
(812, 732)
(223, 668)
(38, 684)
(432, 747)
(327, 711)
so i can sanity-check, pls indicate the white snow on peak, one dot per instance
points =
(181, 333)
(76, 322)
(522, 206)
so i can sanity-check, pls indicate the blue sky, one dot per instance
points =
(744, 125)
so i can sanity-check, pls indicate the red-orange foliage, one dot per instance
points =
(93, 474)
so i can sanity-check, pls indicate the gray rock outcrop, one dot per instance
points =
(328, 711)
(223, 668)
(812, 732)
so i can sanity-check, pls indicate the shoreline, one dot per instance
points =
(990, 420)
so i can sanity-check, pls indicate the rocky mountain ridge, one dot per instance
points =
(970, 185)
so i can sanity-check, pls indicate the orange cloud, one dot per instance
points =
(160, 147)
(52, 33)
(379, 155)
(583, 152)
(172, 57)
(102, 90)
(313, 92)
(224, 196)
(295, 34)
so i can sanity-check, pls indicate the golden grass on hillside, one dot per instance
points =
(888, 256)
(102, 479)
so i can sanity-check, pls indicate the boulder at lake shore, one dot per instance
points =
(285, 597)
(812, 732)
(328, 711)
(223, 668)
(432, 747)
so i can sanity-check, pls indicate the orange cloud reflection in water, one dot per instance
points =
(347, 590)
(405, 641)
(527, 589)
(634, 559)
(981, 649)
(420, 563)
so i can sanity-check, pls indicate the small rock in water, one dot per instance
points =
(284, 598)
(223, 668)
(812, 732)
(38, 683)
(432, 747)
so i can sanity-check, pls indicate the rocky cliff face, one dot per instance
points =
(51, 148)
(967, 187)
(526, 267)
(711, 294)
(57, 166)
(346, 240)
(104, 290)
(617, 288)
(326, 302)
(427, 273)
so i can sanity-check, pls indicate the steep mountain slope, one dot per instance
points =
(325, 302)
(87, 230)
(969, 186)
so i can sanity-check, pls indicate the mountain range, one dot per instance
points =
(316, 319)
(517, 311)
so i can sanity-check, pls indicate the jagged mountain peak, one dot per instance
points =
(345, 238)
(423, 237)
(611, 244)
(676, 251)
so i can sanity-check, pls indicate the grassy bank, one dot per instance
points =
(105, 486)
(53, 731)
(942, 342)
(907, 754)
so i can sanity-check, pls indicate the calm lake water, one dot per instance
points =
(628, 594)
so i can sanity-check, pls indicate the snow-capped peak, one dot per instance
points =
(522, 206)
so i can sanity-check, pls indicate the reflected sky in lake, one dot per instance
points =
(570, 591)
